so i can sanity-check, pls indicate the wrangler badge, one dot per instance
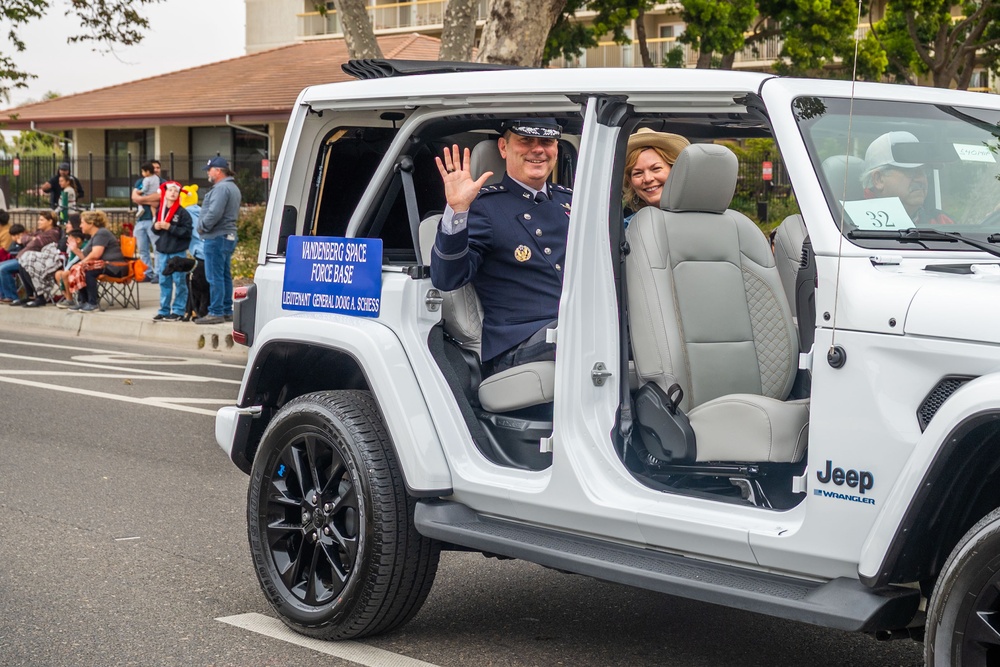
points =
(522, 253)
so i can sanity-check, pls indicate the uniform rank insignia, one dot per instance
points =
(522, 253)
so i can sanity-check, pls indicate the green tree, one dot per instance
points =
(716, 27)
(569, 38)
(30, 144)
(814, 33)
(100, 21)
(938, 41)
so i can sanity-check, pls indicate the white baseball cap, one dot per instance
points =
(879, 153)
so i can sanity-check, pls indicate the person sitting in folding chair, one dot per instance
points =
(104, 256)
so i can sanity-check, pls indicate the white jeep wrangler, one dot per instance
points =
(694, 436)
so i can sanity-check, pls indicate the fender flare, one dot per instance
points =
(379, 355)
(959, 432)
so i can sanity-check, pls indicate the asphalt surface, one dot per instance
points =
(123, 540)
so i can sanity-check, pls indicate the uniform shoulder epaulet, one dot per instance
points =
(561, 188)
(492, 189)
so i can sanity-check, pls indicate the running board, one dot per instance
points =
(843, 603)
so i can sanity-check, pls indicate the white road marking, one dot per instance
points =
(100, 394)
(132, 357)
(107, 376)
(352, 651)
(50, 345)
(149, 360)
(196, 401)
(137, 371)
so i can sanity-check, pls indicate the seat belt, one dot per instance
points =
(405, 167)
(625, 402)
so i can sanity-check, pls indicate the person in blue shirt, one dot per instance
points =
(508, 240)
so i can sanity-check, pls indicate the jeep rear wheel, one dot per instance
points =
(330, 523)
(963, 617)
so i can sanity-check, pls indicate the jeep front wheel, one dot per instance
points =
(963, 617)
(330, 523)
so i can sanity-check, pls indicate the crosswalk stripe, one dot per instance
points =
(352, 651)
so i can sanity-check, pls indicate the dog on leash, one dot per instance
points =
(198, 294)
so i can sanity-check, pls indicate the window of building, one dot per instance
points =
(126, 150)
(669, 30)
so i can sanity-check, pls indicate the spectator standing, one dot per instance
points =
(217, 228)
(173, 224)
(67, 197)
(147, 195)
(55, 190)
(189, 200)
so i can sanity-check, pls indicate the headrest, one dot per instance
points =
(838, 167)
(486, 157)
(703, 179)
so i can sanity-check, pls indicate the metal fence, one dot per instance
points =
(107, 183)
(108, 180)
(120, 220)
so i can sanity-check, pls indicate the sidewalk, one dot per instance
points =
(129, 325)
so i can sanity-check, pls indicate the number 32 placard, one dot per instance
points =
(883, 213)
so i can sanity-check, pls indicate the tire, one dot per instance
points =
(330, 523)
(963, 617)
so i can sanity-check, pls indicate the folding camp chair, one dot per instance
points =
(121, 290)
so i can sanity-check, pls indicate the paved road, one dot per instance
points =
(122, 541)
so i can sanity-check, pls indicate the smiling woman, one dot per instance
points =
(647, 165)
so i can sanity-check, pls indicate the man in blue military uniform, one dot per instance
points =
(508, 240)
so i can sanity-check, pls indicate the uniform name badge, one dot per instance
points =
(333, 275)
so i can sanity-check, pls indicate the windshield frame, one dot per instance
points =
(865, 116)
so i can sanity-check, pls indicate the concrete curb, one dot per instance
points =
(117, 324)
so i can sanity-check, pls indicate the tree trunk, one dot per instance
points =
(704, 60)
(640, 35)
(358, 32)
(516, 30)
(459, 33)
(727, 61)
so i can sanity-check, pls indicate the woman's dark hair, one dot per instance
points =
(74, 221)
(17, 228)
(4, 217)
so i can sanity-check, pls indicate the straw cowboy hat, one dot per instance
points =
(671, 144)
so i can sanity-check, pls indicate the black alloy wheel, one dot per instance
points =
(313, 517)
(963, 616)
(330, 522)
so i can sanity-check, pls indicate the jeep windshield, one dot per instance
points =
(890, 169)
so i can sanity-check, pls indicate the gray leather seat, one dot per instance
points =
(707, 311)
(843, 173)
(462, 312)
(788, 240)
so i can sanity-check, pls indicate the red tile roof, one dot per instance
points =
(255, 88)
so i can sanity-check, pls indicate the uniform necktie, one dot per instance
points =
(540, 196)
